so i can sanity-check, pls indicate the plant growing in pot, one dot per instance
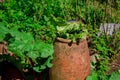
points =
(73, 31)
(71, 55)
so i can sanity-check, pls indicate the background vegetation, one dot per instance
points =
(36, 20)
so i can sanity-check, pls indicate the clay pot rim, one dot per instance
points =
(59, 39)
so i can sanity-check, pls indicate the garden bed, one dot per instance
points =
(115, 64)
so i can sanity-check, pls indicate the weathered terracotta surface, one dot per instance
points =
(1, 0)
(70, 62)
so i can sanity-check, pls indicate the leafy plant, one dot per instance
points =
(73, 31)
(29, 51)
(106, 48)
(36, 20)
(115, 76)
(95, 76)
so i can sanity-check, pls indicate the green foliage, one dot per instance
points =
(31, 16)
(115, 76)
(29, 51)
(106, 48)
(73, 31)
(95, 76)
(27, 24)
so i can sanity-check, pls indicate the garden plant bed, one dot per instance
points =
(29, 29)
(115, 64)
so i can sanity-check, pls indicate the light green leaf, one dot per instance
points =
(49, 65)
(115, 76)
(93, 76)
(33, 54)
(37, 69)
(42, 67)
(3, 31)
(46, 18)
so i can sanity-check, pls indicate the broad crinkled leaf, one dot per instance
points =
(46, 50)
(42, 67)
(48, 62)
(33, 54)
(93, 76)
(37, 69)
(3, 31)
(115, 76)
(22, 36)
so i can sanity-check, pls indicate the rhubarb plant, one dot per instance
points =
(31, 53)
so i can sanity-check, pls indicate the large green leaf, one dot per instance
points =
(33, 55)
(44, 49)
(24, 46)
(3, 31)
(93, 76)
(115, 76)
(22, 36)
